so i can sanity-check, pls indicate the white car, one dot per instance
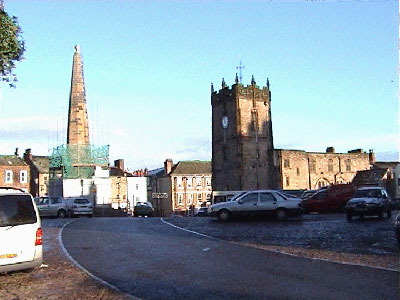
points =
(79, 206)
(262, 202)
(21, 244)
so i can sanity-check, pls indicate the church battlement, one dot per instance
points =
(239, 90)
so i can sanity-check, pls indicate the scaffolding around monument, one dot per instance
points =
(77, 161)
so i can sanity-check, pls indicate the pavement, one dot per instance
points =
(58, 278)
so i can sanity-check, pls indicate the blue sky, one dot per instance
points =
(149, 65)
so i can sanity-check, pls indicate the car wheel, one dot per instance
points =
(389, 213)
(224, 215)
(349, 216)
(61, 214)
(281, 215)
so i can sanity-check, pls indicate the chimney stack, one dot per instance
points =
(119, 163)
(371, 156)
(168, 165)
(28, 154)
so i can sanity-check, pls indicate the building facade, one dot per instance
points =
(243, 154)
(312, 170)
(39, 171)
(187, 185)
(14, 172)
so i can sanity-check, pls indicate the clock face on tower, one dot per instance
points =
(225, 121)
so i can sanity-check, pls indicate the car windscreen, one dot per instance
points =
(16, 210)
(368, 193)
(237, 196)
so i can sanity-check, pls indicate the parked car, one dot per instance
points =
(397, 228)
(263, 202)
(20, 231)
(307, 194)
(79, 206)
(144, 209)
(51, 207)
(369, 201)
(329, 199)
(202, 212)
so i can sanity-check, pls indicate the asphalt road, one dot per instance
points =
(151, 260)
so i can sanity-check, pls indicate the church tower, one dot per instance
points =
(242, 142)
(78, 128)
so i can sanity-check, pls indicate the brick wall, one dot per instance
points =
(16, 177)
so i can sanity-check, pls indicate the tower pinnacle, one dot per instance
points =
(78, 125)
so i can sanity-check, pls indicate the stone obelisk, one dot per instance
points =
(78, 125)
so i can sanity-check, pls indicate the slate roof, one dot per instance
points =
(369, 177)
(11, 160)
(156, 172)
(387, 164)
(192, 167)
(41, 163)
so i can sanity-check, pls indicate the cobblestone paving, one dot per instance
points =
(58, 279)
(367, 241)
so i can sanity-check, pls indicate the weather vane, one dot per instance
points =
(240, 67)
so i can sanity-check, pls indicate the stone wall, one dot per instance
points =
(311, 170)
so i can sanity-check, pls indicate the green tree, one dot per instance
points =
(12, 47)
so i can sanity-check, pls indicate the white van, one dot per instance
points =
(20, 231)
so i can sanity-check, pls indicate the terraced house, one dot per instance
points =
(14, 172)
(184, 186)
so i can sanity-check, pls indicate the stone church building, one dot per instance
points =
(243, 153)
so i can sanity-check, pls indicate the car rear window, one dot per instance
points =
(368, 193)
(16, 210)
(81, 201)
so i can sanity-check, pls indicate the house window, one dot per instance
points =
(199, 197)
(208, 181)
(286, 163)
(23, 176)
(179, 181)
(287, 181)
(180, 199)
(190, 198)
(348, 165)
(137, 186)
(198, 181)
(9, 176)
(330, 165)
(298, 171)
(208, 196)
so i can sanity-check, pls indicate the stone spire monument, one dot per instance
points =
(78, 125)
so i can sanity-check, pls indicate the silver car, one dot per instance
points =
(51, 207)
(79, 206)
(21, 244)
(262, 202)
